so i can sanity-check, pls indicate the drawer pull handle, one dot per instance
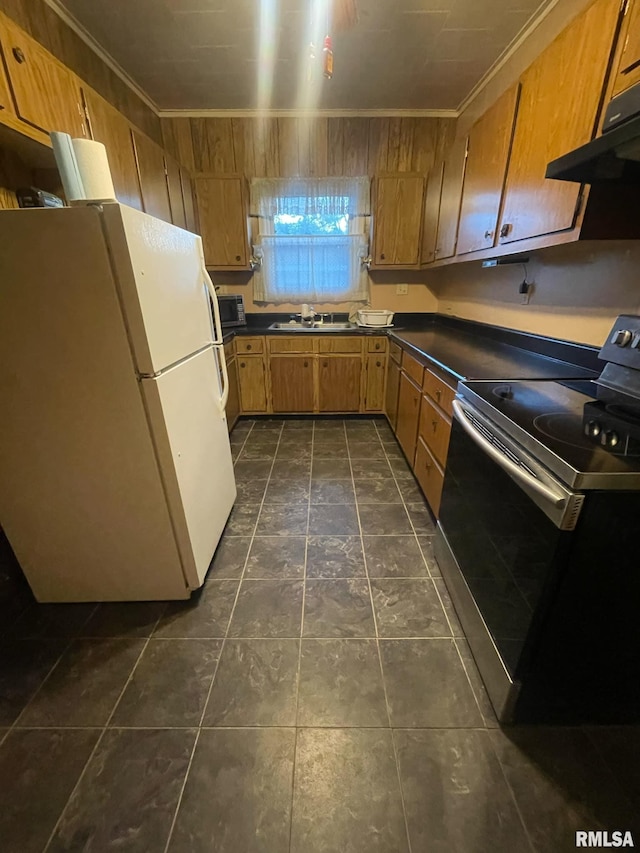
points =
(438, 395)
(18, 55)
(434, 424)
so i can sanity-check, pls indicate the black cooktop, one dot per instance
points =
(587, 441)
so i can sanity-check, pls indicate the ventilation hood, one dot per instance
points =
(614, 156)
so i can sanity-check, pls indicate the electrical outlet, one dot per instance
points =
(402, 289)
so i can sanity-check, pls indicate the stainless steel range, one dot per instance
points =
(539, 538)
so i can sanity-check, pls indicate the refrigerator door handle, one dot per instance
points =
(217, 337)
(225, 378)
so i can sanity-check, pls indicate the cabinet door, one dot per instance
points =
(252, 383)
(391, 395)
(408, 416)
(487, 160)
(292, 383)
(339, 383)
(431, 214)
(189, 205)
(174, 185)
(628, 73)
(152, 177)
(429, 475)
(450, 199)
(111, 128)
(233, 403)
(47, 95)
(435, 430)
(374, 390)
(559, 105)
(223, 221)
(397, 220)
(6, 102)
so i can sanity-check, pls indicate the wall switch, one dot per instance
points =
(402, 289)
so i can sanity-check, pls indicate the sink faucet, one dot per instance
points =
(308, 314)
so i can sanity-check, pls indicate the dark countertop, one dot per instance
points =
(468, 356)
(465, 349)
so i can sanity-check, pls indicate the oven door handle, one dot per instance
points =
(520, 474)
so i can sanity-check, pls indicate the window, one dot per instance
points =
(311, 239)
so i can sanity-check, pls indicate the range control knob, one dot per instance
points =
(622, 337)
(609, 438)
(592, 429)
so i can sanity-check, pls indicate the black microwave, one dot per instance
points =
(232, 311)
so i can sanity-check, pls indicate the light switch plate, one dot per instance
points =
(402, 289)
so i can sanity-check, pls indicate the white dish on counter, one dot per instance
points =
(374, 326)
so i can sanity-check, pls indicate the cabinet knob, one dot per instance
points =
(378, 364)
(248, 346)
(238, 258)
(18, 55)
(506, 228)
(382, 256)
(325, 364)
(306, 364)
(2, 107)
(438, 395)
(242, 364)
(488, 234)
(377, 346)
(434, 424)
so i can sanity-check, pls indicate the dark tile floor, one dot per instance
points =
(317, 695)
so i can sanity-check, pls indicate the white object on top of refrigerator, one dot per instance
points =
(114, 453)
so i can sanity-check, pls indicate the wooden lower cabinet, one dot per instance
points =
(376, 370)
(233, 403)
(339, 378)
(430, 476)
(292, 383)
(408, 415)
(252, 383)
(391, 394)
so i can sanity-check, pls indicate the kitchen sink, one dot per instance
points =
(295, 326)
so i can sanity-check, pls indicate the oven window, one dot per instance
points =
(506, 547)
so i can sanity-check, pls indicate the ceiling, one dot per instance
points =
(221, 55)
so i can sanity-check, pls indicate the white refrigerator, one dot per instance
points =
(115, 467)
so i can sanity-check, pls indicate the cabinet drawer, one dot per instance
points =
(251, 345)
(439, 391)
(299, 343)
(377, 344)
(435, 430)
(412, 368)
(339, 344)
(429, 475)
(395, 351)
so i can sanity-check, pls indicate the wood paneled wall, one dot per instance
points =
(41, 22)
(290, 147)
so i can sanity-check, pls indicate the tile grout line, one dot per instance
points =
(105, 729)
(222, 646)
(304, 591)
(377, 641)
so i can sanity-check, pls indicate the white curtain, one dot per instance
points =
(311, 239)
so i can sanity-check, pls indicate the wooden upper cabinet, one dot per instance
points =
(628, 65)
(223, 221)
(111, 128)
(189, 205)
(559, 107)
(6, 102)
(431, 213)
(46, 93)
(452, 181)
(397, 220)
(487, 160)
(174, 185)
(152, 177)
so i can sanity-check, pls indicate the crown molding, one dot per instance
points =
(502, 60)
(308, 113)
(108, 60)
